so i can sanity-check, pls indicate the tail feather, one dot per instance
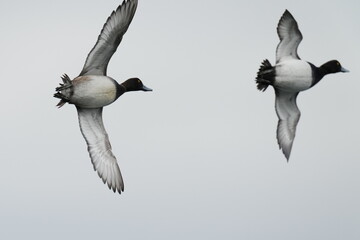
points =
(265, 75)
(65, 91)
(66, 78)
(61, 103)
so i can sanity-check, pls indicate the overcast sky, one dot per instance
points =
(199, 154)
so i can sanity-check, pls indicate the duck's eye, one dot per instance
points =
(337, 63)
(138, 81)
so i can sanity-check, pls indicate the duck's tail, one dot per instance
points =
(65, 90)
(265, 75)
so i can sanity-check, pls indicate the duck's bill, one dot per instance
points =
(344, 69)
(144, 88)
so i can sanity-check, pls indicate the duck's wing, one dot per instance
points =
(289, 115)
(109, 39)
(102, 158)
(290, 37)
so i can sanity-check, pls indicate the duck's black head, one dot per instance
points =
(332, 66)
(134, 84)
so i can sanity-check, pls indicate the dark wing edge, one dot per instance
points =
(99, 148)
(109, 39)
(290, 37)
(289, 115)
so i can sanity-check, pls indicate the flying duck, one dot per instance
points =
(288, 77)
(93, 89)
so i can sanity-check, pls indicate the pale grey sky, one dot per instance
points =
(199, 154)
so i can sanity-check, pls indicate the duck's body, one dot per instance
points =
(293, 75)
(288, 77)
(92, 90)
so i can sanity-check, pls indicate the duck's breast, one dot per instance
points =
(293, 75)
(93, 91)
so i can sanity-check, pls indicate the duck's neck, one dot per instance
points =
(120, 90)
(319, 73)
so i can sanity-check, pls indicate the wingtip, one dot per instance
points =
(125, 2)
(120, 190)
(287, 12)
(286, 151)
(287, 156)
(115, 188)
(285, 16)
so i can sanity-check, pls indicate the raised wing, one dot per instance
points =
(289, 115)
(103, 160)
(109, 39)
(290, 37)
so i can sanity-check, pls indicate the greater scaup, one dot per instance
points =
(92, 90)
(288, 77)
